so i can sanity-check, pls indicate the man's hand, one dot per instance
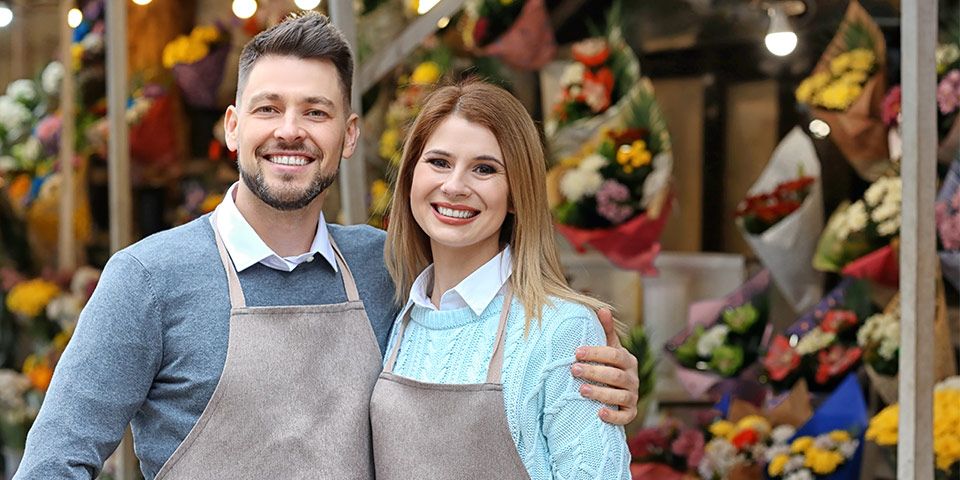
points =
(617, 370)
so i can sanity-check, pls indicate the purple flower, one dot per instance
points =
(948, 92)
(611, 199)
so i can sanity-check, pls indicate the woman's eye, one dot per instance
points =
(484, 169)
(437, 162)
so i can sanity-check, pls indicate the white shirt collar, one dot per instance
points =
(476, 291)
(246, 248)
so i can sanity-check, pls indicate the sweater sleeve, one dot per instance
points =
(580, 445)
(102, 378)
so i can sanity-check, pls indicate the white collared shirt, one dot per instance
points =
(246, 248)
(476, 291)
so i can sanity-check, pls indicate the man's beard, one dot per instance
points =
(287, 199)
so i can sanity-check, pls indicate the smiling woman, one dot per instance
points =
(475, 383)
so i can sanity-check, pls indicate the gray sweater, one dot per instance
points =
(151, 344)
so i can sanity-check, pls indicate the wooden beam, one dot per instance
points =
(118, 153)
(66, 245)
(18, 40)
(918, 247)
(353, 180)
(389, 56)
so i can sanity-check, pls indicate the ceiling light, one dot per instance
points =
(307, 4)
(244, 8)
(74, 17)
(424, 6)
(142, 2)
(780, 39)
(6, 15)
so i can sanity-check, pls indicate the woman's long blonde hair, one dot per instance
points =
(537, 274)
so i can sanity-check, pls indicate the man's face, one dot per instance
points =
(290, 129)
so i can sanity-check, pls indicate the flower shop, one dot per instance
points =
(767, 191)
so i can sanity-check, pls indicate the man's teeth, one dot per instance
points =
(449, 212)
(289, 160)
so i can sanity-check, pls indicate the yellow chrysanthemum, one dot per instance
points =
(822, 462)
(946, 450)
(809, 86)
(388, 143)
(883, 427)
(776, 466)
(61, 340)
(801, 444)
(721, 428)
(379, 197)
(840, 64)
(205, 33)
(754, 422)
(76, 56)
(427, 73)
(838, 96)
(853, 77)
(634, 155)
(862, 59)
(840, 436)
(30, 298)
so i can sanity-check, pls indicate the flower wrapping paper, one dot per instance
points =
(532, 27)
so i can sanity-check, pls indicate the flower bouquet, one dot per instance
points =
(860, 239)
(846, 89)
(782, 217)
(669, 451)
(829, 444)
(820, 346)
(198, 62)
(884, 428)
(879, 337)
(723, 337)
(947, 212)
(507, 29)
(614, 193)
(637, 342)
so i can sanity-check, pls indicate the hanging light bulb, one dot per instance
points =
(74, 17)
(6, 15)
(244, 8)
(780, 39)
(307, 4)
(424, 6)
(142, 2)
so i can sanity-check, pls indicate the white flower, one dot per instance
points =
(7, 163)
(593, 162)
(22, 91)
(889, 228)
(778, 448)
(875, 192)
(825, 442)
(882, 329)
(849, 448)
(947, 53)
(51, 77)
(949, 383)
(30, 150)
(719, 456)
(814, 341)
(658, 178)
(13, 114)
(795, 463)
(800, 475)
(82, 279)
(572, 75)
(65, 310)
(93, 42)
(853, 219)
(711, 339)
(885, 211)
(579, 183)
(782, 434)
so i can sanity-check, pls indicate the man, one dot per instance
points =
(264, 372)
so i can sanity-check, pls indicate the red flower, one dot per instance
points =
(835, 361)
(794, 186)
(890, 108)
(781, 359)
(745, 439)
(480, 30)
(836, 321)
(591, 52)
(647, 442)
(602, 76)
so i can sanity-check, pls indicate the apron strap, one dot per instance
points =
(388, 368)
(233, 282)
(349, 285)
(496, 360)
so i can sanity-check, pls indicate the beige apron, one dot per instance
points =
(443, 431)
(293, 399)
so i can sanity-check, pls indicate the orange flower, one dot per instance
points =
(38, 371)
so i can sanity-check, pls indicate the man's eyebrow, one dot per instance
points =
(273, 97)
(320, 100)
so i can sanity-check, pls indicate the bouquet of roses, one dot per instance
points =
(782, 216)
(947, 212)
(614, 195)
(884, 428)
(820, 346)
(860, 238)
(723, 336)
(507, 28)
(198, 62)
(669, 451)
(846, 90)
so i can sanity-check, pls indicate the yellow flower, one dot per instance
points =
(76, 56)
(883, 426)
(38, 371)
(862, 59)
(210, 203)
(754, 422)
(775, 469)
(840, 436)
(205, 33)
(634, 155)
(506, 2)
(62, 339)
(840, 64)
(721, 428)
(946, 450)
(426, 73)
(822, 462)
(379, 197)
(801, 444)
(30, 298)
(838, 96)
(388, 143)
(854, 77)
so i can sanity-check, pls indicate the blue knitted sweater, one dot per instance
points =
(151, 344)
(556, 431)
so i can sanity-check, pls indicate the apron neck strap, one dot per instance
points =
(349, 284)
(496, 360)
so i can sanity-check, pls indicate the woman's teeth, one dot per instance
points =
(289, 160)
(449, 212)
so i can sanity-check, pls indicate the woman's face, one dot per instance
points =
(459, 194)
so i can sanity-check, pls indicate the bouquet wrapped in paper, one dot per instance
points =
(846, 90)
(613, 193)
(782, 216)
(861, 238)
(821, 346)
(723, 337)
(518, 32)
(198, 61)
(884, 428)
(879, 337)
(947, 212)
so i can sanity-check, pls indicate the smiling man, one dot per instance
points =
(245, 344)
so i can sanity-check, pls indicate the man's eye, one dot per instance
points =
(317, 113)
(265, 109)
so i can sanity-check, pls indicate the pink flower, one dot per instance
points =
(647, 442)
(611, 199)
(948, 92)
(690, 445)
(890, 109)
(947, 216)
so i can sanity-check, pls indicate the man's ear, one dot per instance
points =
(351, 135)
(230, 124)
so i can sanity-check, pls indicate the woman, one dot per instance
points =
(477, 381)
